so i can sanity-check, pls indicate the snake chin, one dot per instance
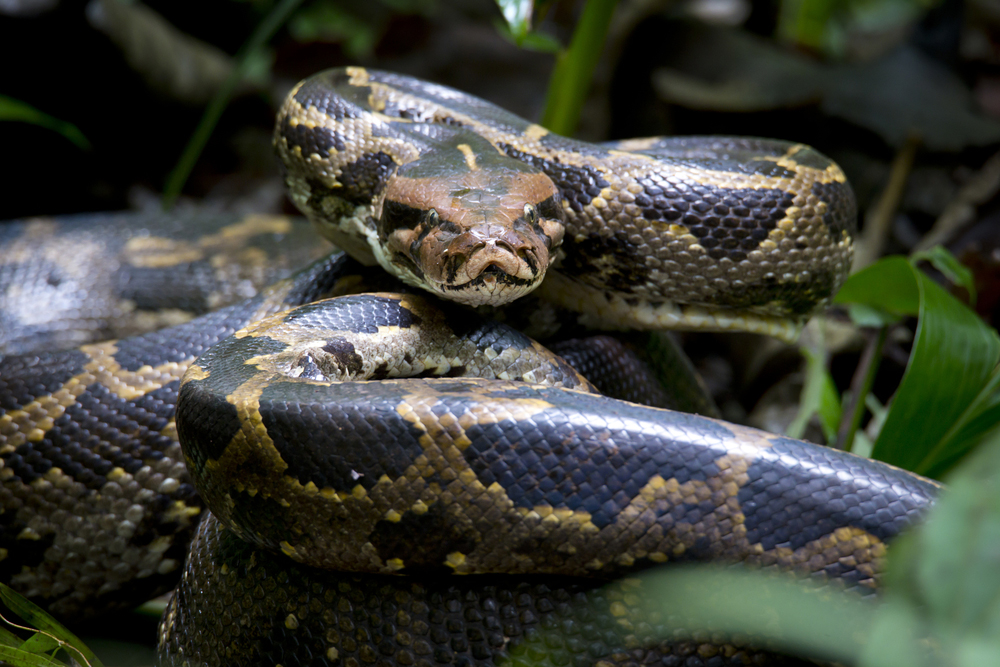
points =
(492, 286)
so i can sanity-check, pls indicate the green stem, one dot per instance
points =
(575, 67)
(265, 30)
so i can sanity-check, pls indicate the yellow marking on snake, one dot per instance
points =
(470, 157)
(251, 449)
(30, 422)
(535, 132)
(447, 430)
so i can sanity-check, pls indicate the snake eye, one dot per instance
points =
(530, 214)
(433, 218)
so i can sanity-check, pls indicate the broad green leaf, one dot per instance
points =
(944, 578)
(950, 267)
(34, 616)
(958, 574)
(897, 639)
(8, 638)
(11, 109)
(681, 602)
(953, 356)
(39, 643)
(982, 417)
(18, 658)
(866, 316)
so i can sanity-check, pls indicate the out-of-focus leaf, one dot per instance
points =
(898, 639)
(679, 602)
(11, 109)
(908, 93)
(946, 575)
(902, 94)
(34, 616)
(954, 354)
(731, 70)
(326, 21)
(827, 24)
(517, 14)
(170, 61)
(244, 61)
(950, 267)
(26, 8)
(805, 21)
(533, 41)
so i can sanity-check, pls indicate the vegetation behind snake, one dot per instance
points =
(742, 243)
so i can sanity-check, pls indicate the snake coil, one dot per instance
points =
(389, 434)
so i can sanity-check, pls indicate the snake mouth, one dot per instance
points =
(493, 286)
(489, 265)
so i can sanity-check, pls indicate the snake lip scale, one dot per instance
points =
(344, 421)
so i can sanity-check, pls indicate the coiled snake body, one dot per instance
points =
(307, 444)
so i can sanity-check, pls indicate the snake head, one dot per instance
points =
(483, 235)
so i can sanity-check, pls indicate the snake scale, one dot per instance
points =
(379, 431)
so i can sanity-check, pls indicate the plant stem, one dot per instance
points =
(265, 30)
(861, 386)
(575, 67)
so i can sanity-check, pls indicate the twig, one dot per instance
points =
(878, 219)
(861, 385)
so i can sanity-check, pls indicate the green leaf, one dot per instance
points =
(819, 397)
(866, 316)
(38, 619)
(18, 658)
(533, 41)
(897, 638)
(517, 14)
(11, 109)
(950, 267)
(679, 602)
(8, 638)
(328, 22)
(954, 354)
(782, 612)
(943, 588)
(958, 575)
(39, 643)
(982, 417)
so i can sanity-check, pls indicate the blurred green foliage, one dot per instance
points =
(16, 110)
(824, 25)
